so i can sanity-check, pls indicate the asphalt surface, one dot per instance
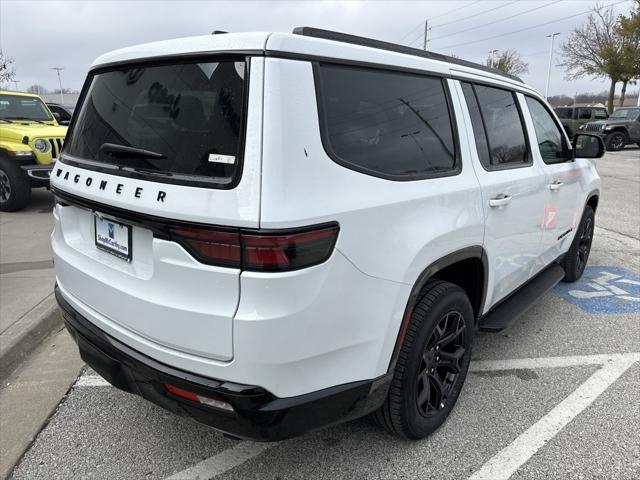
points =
(568, 408)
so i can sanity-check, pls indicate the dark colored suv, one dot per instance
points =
(574, 117)
(619, 130)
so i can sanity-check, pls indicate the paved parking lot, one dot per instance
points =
(555, 396)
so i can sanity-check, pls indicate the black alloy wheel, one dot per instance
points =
(584, 244)
(576, 258)
(441, 363)
(432, 362)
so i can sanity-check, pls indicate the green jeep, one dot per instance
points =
(573, 117)
(30, 143)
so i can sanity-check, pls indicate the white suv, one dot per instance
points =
(275, 232)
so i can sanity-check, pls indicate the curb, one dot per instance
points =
(21, 338)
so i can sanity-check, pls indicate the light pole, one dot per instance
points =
(426, 32)
(492, 53)
(57, 69)
(552, 37)
(16, 82)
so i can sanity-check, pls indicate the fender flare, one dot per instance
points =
(593, 193)
(466, 253)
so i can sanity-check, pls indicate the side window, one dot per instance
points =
(479, 133)
(504, 129)
(384, 123)
(551, 141)
(584, 113)
(564, 113)
(601, 114)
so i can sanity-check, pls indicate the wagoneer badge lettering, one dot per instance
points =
(119, 188)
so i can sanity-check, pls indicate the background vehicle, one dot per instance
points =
(30, 142)
(62, 114)
(619, 130)
(575, 116)
(278, 240)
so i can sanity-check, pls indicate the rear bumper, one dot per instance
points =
(258, 414)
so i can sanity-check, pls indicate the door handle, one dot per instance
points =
(500, 200)
(556, 185)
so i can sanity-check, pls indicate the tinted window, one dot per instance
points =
(20, 107)
(505, 134)
(551, 142)
(64, 115)
(584, 113)
(564, 113)
(478, 125)
(190, 113)
(384, 123)
(601, 113)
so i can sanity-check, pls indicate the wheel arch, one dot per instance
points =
(454, 268)
(592, 200)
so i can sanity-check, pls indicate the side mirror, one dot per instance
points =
(586, 145)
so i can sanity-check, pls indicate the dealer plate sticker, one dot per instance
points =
(604, 289)
(113, 237)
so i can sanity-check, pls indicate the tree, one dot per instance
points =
(508, 61)
(629, 31)
(7, 72)
(38, 89)
(595, 49)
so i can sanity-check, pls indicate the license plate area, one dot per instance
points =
(113, 237)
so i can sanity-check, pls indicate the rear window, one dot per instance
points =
(177, 123)
(387, 124)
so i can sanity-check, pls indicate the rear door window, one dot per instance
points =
(389, 124)
(504, 128)
(584, 113)
(564, 113)
(189, 115)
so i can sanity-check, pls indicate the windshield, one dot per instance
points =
(18, 107)
(626, 113)
(179, 123)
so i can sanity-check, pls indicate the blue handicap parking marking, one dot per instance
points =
(604, 289)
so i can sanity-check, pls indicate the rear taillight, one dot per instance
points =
(194, 397)
(273, 251)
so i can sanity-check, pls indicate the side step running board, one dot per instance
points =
(506, 312)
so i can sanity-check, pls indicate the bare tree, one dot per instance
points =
(629, 31)
(595, 50)
(7, 72)
(38, 89)
(508, 61)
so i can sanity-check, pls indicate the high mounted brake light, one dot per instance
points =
(274, 251)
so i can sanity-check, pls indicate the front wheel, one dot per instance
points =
(576, 258)
(432, 363)
(615, 141)
(15, 190)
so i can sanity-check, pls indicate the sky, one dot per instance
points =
(71, 34)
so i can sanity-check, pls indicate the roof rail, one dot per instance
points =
(394, 47)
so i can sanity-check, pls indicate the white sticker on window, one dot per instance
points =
(228, 159)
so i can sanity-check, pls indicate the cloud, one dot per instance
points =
(43, 34)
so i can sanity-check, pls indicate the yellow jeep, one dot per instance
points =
(30, 143)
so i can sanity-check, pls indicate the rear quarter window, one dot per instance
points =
(388, 124)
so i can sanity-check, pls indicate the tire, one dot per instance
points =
(615, 141)
(408, 411)
(15, 190)
(577, 257)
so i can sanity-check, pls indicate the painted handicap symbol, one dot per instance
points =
(604, 289)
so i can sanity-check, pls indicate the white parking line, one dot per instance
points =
(223, 461)
(502, 465)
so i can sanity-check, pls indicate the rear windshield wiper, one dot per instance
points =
(129, 152)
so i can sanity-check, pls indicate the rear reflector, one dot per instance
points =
(194, 397)
(272, 251)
